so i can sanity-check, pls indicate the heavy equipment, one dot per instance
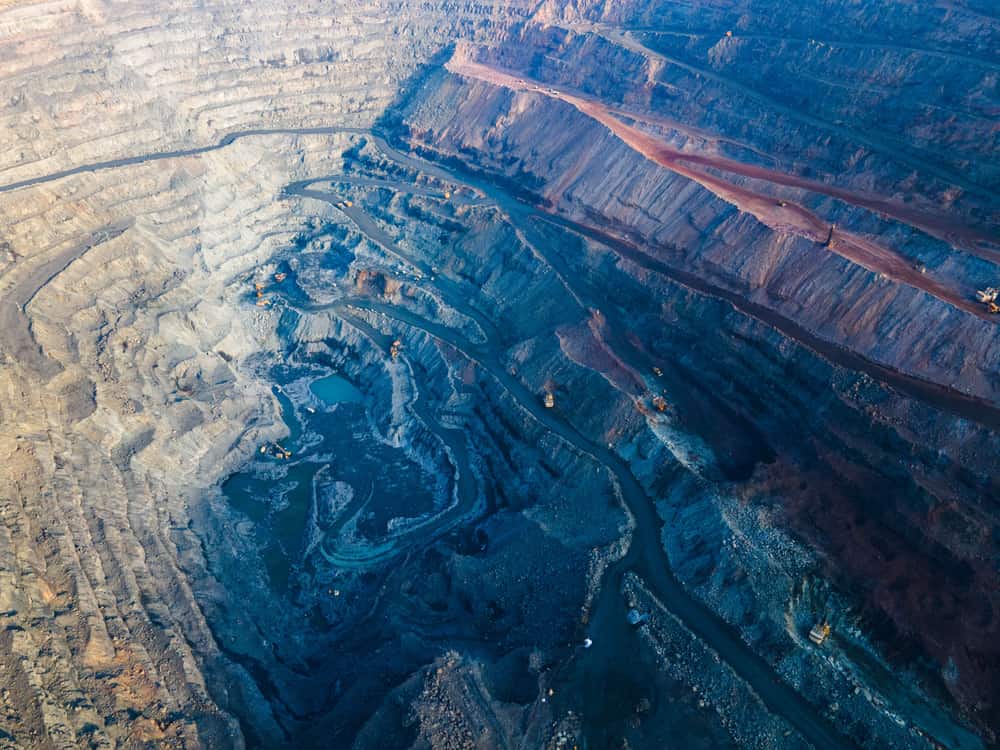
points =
(819, 633)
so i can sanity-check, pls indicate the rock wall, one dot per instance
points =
(125, 394)
(564, 112)
(744, 262)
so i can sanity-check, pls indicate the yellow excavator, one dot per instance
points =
(819, 633)
(988, 297)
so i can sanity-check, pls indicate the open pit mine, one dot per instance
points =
(500, 374)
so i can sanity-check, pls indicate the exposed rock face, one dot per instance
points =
(662, 307)
(578, 141)
(124, 338)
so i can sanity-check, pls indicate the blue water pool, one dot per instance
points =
(333, 389)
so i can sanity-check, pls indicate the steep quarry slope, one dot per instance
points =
(93, 81)
(499, 374)
(927, 308)
(121, 335)
(735, 150)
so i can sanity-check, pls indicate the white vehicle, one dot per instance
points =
(987, 295)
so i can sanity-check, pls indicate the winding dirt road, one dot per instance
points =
(659, 60)
(19, 287)
(981, 242)
(519, 214)
(648, 559)
(968, 407)
(646, 555)
(781, 216)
